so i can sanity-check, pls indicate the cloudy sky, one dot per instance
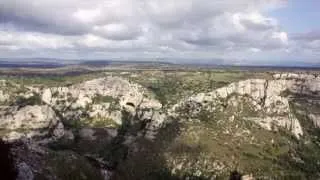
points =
(232, 31)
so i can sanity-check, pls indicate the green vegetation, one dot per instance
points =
(55, 94)
(200, 143)
(51, 81)
(70, 166)
(307, 150)
(103, 99)
(98, 122)
(93, 122)
(236, 143)
(35, 99)
(113, 103)
(13, 90)
(172, 86)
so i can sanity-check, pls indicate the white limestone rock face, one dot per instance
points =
(3, 82)
(102, 110)
(315, 118)
(28, 117)
(77, 100)
(47, 96)
(80, 95)
(247, 177)
(107, 174)
(156, 120)
(3, 96)
(263, 95)
(271, 123)
(13, 136)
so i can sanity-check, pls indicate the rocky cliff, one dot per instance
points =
(267, 99)
(109, 121)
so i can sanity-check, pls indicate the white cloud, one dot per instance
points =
(35, 41)
(255, 50)
(282, 36)
(163, 28)
(117, 31)
(87, 15)
(92, 41)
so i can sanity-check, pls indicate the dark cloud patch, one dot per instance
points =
(310, 36)
(25, 23)
(257, 26)
(203, 42)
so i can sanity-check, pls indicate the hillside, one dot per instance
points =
(156, 124)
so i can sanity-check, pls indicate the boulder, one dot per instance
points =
(315, 118)
(58, 132)
(28, 117)
(68, 135)
(13, 136)
(47, 96)
(3, 96)
(87, 134)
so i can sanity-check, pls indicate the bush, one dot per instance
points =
(103, 99)
(31, 101)
(69, 166)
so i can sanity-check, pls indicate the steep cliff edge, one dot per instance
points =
(267, 100)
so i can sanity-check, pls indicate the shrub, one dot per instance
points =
(33, 100)
(99, 99)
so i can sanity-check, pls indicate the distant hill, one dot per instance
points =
(212, 63)
(56, 63)
(19, 64)
(99, 63)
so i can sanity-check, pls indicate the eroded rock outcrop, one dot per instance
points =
(129, 94)
(105, 98)
(27, 121)
(269, 97)
(3, 96)
(29, 117)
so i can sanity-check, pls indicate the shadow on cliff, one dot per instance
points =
(131, 156)
(7, 167)
(136, 159)
(143, 158)
(139, 158)
(303, 108)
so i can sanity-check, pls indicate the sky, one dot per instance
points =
(284, 32)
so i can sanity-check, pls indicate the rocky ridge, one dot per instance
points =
(27, 121)
(104, 98)
(112, 95)
(268, 97)
(264, 102)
